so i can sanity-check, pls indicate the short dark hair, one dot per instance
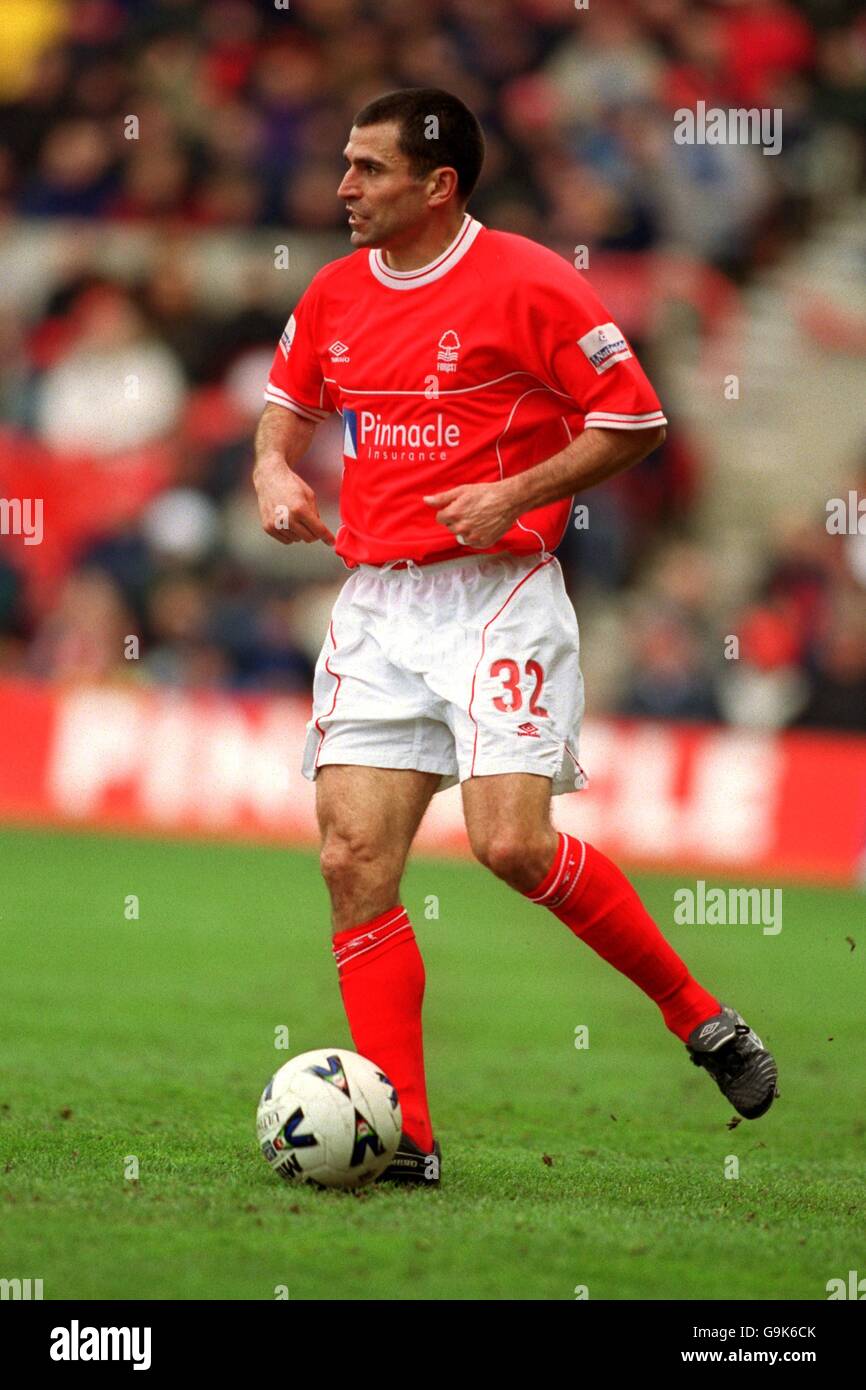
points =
(458, 145)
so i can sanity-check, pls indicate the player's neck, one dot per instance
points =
(422, 250)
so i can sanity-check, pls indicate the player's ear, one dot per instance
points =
(442, 185)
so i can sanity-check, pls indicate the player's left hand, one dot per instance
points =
(479, 513)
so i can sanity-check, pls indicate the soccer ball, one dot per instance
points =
(329, 1117)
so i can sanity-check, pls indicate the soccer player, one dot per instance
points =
(481, 385)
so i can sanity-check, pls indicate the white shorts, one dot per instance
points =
(467, 668)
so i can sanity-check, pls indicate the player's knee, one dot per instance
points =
(349, 862)
(513, 858)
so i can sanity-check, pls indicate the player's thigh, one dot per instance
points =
(507, 813)
(371, 814)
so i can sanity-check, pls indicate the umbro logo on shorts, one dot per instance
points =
(527, 731)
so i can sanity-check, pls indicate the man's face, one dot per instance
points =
(385, 202)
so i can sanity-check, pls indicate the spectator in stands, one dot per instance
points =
(82, 638)
(838, 697)
(670, 676)
(116, 387)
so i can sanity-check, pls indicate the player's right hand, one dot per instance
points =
(287, 506)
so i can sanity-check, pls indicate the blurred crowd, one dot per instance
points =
(791, 652)
(128, 397)
(241, 108)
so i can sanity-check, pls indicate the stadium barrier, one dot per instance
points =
(123, 757)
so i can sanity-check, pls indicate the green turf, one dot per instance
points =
(601, 1167)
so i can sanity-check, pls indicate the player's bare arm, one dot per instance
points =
(480, 513)
(287, 504)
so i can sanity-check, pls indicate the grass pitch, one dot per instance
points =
(604, 1167)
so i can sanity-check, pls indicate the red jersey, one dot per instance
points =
(471, 369)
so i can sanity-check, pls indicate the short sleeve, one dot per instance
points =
(582, 354)
(295, 379)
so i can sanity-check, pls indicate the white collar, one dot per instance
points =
(426, 274)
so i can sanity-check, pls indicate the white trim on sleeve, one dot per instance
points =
(612, 420)
(277, 396)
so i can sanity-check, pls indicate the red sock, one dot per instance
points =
(382, 983)
(595, 900)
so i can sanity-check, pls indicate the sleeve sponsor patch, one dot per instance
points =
(288, 336)
(604, 346)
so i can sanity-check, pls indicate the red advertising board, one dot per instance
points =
(683, 796)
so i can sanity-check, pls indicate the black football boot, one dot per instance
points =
(411, 1165)
(742, 1068)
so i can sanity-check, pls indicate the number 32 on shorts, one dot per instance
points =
(509, 673)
